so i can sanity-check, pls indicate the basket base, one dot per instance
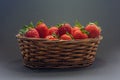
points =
(55, 66)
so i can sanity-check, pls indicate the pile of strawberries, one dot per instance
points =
(61, 32)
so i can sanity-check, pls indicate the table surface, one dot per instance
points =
(104, 68)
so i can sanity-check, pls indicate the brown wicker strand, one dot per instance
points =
(42, 53)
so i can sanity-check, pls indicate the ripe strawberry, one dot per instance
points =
(32, 32)
(74, 29)
(53, 30)
(93, 29)
(29, 31)
(64, 28)
(50, 37)
(78, 34)
(65, 37)
(42, 29)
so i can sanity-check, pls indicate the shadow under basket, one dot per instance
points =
(43, 53)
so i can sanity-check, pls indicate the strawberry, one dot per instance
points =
(42, 29)
(93, 29)
(65, 37)
(32, 32)
(53, 30)
(50, 37)
(64, 28)
(77, 26)
(78, 34)
(74, 29)
(29, 31)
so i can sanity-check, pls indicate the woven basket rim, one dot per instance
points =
(43, 39)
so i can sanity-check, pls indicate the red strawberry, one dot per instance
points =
(74, 29)
(32, 32)
(64, 28)
(42, 29)
(65, 37)
(50, 37)
(94, 30)
(79, 35)
(29, 31)
(53, 30)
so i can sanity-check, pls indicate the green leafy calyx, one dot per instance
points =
(84, 31)
(54, 35)
(96, 23)
(58, 25)
(40, 21)
(78, 24)
(26, 28)
(69, 35)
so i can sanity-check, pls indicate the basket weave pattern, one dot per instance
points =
(42, 53)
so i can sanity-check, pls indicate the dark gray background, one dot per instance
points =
(15, 13)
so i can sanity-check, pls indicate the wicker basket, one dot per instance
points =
(42, 53)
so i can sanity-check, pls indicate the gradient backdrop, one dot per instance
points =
(16, 13)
